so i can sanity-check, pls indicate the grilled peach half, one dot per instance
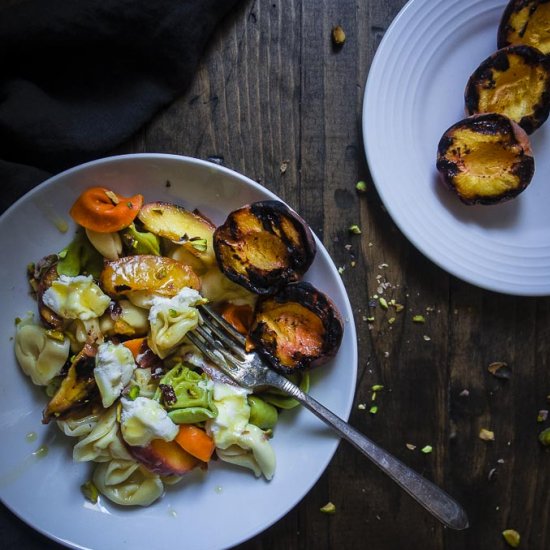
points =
(295, 329)
(264, 246)
(165, 458)
(526, 22)
(514, 81)
(149, 273)
(485, 159)
(189, 229)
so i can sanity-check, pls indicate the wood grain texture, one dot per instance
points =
(275, 100)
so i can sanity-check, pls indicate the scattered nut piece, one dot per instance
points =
(328, 508)
(486, 435)
(361, 186)
(361, 406)
(90, 491)
(410, 446)
(284, 166)
(419, 319)
(383, 303)
(426, 337)
(355, 229)
(373, 409)
(338, 35)
(499, 369)
(511, 536)
(544, 437)
(542, 416)
(427, 449)
(464, 393)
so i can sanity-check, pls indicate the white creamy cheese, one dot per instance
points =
(143, 420)
(114, 366)
(76, 298)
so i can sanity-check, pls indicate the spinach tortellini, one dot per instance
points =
(40, 353)
(125, 482)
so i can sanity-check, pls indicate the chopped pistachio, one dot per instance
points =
(361, 186)
(112, 196)
(426, 337)
(341, 270)
(512, 537)
(399, 307)
(544, 437)
(373, 396)
(542, 416)
(90, 492)
(355, 229)
(55, 335)
(17, 320)
(160, 274)
(328, 508)
(391, 320)
(486, 435)
(133, 393)
(427, 449)
(383, 302)
(361, 406)
(370, 319)
(199, 244)
(353, 263)
(419, 319)
(172, 312)
(338, 35)
(499, 369)
(373, 409)
(377, 387)
(410, 446)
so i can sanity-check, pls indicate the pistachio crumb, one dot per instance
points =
(426, 338)
(370, 319)
(328, 508)
(427, 449)
(362, 406)
(383, 302)
(542, 416)
(338, 35)
(361, 186)
(419, 319)
(486, 435)
(410, 446)
(373, 409)
(544, 437)
(90, 491)
(512, 537)
(399, 307)
(341, 269)
(355, 229)
(391, 320)
(377, 387)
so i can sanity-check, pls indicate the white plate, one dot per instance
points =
(217, 510)
(414, 93)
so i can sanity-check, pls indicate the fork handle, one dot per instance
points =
(431, 497)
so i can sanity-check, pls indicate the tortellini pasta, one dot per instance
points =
(79, 332)
(78, 427)
(126, 483)
(40, 354)
(109, 245)
(128, 319)
(237, 441)
(114, 366)
(171, 319)
(217, 287)
(104, 442)
(76, 298)
(144, 381)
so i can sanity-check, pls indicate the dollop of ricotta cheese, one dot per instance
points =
(114, 366)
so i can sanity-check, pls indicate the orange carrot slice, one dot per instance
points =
(238, 316)
(135, 345)
(195, 441)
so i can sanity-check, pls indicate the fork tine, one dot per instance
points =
(231, 362)
(222, 335)
(225, 326)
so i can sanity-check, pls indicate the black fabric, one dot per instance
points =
(78, 77)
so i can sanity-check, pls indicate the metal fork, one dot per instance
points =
(224, 346)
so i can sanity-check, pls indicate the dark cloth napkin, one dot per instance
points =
(78, 77)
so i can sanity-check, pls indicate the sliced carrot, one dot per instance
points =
(135, 345)
(102, 210)
(239, 317)
(195, 441)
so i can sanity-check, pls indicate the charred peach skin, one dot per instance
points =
(264, 246)
(297, 328)
(485, 159)
(526, 22)
(515, 82)
(165, 458)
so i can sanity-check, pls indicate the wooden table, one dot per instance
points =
(274, 100)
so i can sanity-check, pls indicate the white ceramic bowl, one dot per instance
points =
(212, 510)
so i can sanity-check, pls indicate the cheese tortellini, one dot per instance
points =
(237, 441)
(103, 442)
(40, 353)
(171, 319)
(125, 482)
